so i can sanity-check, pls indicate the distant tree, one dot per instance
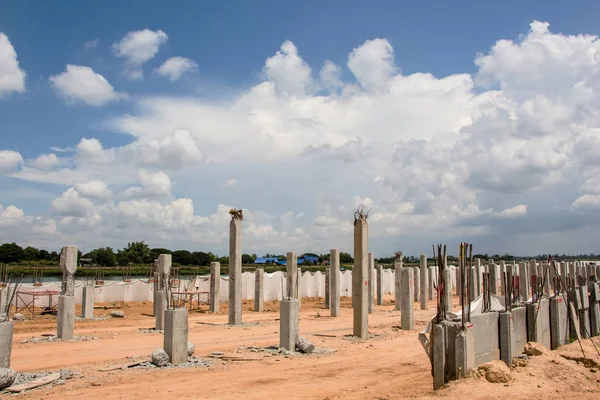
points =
(44, 255)
(183, 257)
(138, 252)
(247, 259)
(346, 258)
(31, 254)
(223, 260)
(11, 252)
(122, 258)
(105, 256)
(201, 258)
(54, 256)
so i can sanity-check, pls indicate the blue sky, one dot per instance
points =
(230, 44)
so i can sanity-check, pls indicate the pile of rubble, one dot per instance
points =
(54, 338)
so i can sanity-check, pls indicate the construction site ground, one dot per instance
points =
(390, 365)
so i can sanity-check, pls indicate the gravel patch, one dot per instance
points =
(54, 338)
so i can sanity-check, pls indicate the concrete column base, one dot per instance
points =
(559, 326)
(6, 336)
(176, 335)
(505, 324)
(464, 352)
(87, 302)
(65, 319)
(288, 324)
(160, 307)
(439, 356)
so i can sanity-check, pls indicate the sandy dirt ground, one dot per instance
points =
(390, 365)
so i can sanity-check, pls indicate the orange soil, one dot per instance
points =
(390, 366)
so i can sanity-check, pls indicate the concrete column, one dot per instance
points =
(551, 278)
(572, 275)
(176, 335)
(235, 271)
(407, 320)
(334, 260)
(464, 351)
(371, 283)
(493, 279)
(327, 288)
(523, 281)
(259, 290)
(502, 272)
(506, 337)
(288, 324)
(380, 285)
(161, 306)
(417, 281)
(559, 327)
(423, 283)
(594, 289)
(509, 278)
(6, 337)
(439, 356)
(65, 320)
(87, 302)
(298, 289)
(448, 289)
(361, 267)
(473, 284)
(563, 275)
(430, 272)
(291, 275)
(215, 286)
(584, 312)
(65, 317)
(397, 284)
(154, 289)
(478, 278)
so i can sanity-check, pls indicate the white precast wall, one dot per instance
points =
(312, 284)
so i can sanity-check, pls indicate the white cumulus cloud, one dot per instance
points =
(10, 161)
(95, 189)
(46, 161)
(12, 78)
(290, 73)
(175, 67)
(81, 84)
(137, 48)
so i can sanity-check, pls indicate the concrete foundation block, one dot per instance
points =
(407, 319)
(538, 322)
(288, 324)
(574, 331)
(485, 330)
(87, 302)
(161, 306)
(505, 325)
(559, 322)
(519, 325)
(176, 335)
(451, 330)
(65, 318)
(464, 353)
(584, 312)
(6, 337)
(594, 308)
(439, 356)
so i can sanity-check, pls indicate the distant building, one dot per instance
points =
(269, 261)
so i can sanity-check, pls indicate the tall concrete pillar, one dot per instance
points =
(430, 273)
(594, 299)
(493, 278)
(235, 270)
(502, 273)
(288, 323)
(176, 335)
(291, 275)
(380, 285)
(407, 319)
(584, 312)
(478, 277)
(423, 283)
(398, 283)
(458, 288)
(327, 288)
(87, 302)
(564, 273)
(6, 338)
(508, 288)
(551, 277)
(155, 288)
(473, 284)
(523, 281)
(572, 275)
(448, 289)
(215, 285)
(533, 270)
(417, 282)
(371, 283)
(439, 356)
(361, 267)
(299, 288)
(259, 290)
(65, 319)
(161, 306)
(334, 275)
